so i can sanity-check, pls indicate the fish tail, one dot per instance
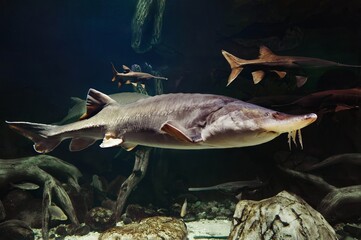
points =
(235, 64)
(115, 73)
(38, 133)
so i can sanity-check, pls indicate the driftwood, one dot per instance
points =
(37, 170)
(283, 216)
(351, 158)
(15, 230)
(2, 211)
(335, 197)
(139, 169)
(231, 186)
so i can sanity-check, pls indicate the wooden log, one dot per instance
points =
(139, 170)
(34, 169)
(335, 198)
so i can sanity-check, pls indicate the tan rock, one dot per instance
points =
(283, 216)
(153, 228)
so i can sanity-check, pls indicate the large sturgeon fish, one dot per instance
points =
(178, 121)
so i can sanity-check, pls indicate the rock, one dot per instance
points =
(155, 228)
(81, 230)
(136, 212)
(108, 204)
(73, 229)
(283, 216)
(100, 219)
(15, 230)
(353, 230)
(21, 205)
(61, 230)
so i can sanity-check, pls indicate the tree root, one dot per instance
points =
(335, 198)
(139, 169)
(40, 170)
(352, 158)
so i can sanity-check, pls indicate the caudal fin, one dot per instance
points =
(38, 133)
(235, 64)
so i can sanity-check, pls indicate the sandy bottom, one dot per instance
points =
(208, 228)
(197, 230)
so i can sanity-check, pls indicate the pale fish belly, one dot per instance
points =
(235, 139)
(223, 140)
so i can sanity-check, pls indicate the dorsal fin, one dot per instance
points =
(126, 69)
(265, 52)
(95, 102)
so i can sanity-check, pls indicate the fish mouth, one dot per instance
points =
(291, 124)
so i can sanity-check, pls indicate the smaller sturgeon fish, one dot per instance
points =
(267, 60)
(131, 77)
(230, 186)
(176, 121)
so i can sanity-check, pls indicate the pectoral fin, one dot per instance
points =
(342, 107)
(180, 133)
(300, 80)
(258, 76)
(111, 141)
(78, 144)
(128, 146)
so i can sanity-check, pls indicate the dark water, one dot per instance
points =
(53, 50)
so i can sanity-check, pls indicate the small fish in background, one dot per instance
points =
(281, 65)
(183, 211)
(230, 186)
(56, 213)
(329, 101)
(25, 186)
(129, 76)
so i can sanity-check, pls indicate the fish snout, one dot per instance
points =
(282, 122)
